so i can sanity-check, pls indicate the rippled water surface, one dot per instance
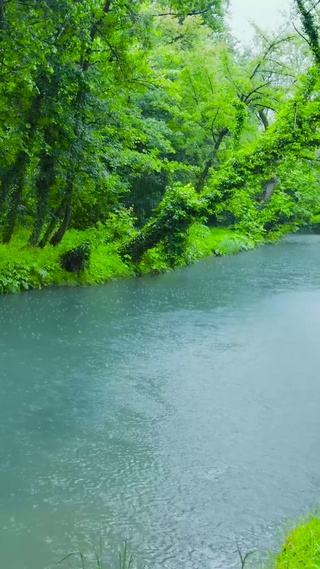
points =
(179, 411)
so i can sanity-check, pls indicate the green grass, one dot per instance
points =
(78, 560)
(203, 241)
(25, 268)
(302, 548)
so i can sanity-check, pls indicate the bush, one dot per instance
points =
(77, 259)
(203, 241)
(154, 261)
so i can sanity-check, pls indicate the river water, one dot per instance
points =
(179, 411)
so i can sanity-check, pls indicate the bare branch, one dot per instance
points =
(243, 558)
(272, 46)
(301, 35)
(246, 99)
(177, 15)
(313, 7)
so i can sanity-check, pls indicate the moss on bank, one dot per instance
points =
(24, 268)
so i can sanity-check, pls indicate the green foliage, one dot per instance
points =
(154, 261)
(118, 226)
(175, 213)
(118, 116)
(38, 268)
(302, 548)
(22, 268)
(73, 136)
(203, 241)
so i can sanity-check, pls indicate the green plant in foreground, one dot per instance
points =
(97, 561)
(244, 557)
(302, 548)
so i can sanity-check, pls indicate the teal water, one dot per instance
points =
(179, 411)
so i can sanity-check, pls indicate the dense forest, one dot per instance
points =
(138, 136)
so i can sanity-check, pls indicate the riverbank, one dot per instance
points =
(302, 548)
(26, 268)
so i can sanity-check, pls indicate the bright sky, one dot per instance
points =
(266, 13)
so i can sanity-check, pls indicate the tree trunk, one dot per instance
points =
(5, 181)
(204, 175)
(43, 185)
(52, 225)
(264, 119)
(269, 188)
(66, 211)
(14, 177)
(58, 236)
(2, 9)
(310, 27)
(211, 161)
(171, 221)
(14, 196)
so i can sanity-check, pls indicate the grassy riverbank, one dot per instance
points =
(302, 548)
(25, 268)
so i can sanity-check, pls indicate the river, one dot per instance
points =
(179, 411)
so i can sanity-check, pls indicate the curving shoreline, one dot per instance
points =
(25, 268)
